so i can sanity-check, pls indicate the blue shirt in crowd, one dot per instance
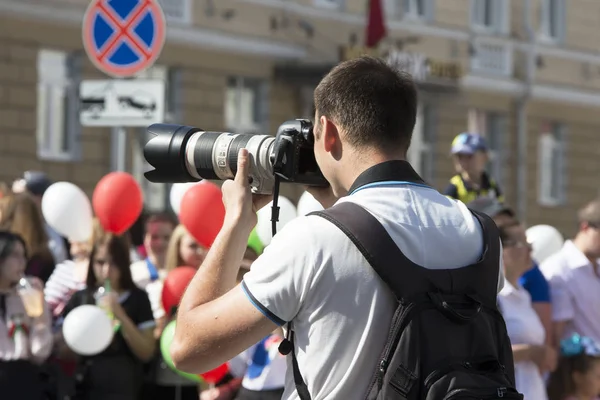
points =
(536, 284)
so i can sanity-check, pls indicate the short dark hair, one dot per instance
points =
(373, 102)
(590, 213)
(504, 228)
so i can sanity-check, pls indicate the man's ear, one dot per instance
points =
(330, 134)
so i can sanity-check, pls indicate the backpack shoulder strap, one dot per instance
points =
(373, 241)
(488, 283)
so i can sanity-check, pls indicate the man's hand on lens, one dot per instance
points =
(323, 195)
(240, 204)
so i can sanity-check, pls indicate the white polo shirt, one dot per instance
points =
(524, 327)
(311, 273)
(575, 291)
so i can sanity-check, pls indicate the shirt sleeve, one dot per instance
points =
(41, 338)
(536, 284)
(563, 308)
(75, 301)
(143, 317)
(279, 280)
(451, 191)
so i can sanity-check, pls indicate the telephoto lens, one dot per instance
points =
(187, 154)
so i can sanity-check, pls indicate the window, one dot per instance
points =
(493, 127)
(490, 16)
(246, 105)
(335, 4)
(492, 57)
(552, 164)
(156, 194)
(421, 150)
(58, 129)
(307, 102)
(553, 20)
(178, 11)
(418, 9)
(495, 136)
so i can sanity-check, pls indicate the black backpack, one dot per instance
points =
(447, 339)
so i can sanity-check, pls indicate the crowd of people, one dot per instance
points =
(36, 363)
(550, 307)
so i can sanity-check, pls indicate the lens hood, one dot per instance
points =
(165, 153)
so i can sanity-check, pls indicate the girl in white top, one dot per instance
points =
(531, 356)
(25, 338)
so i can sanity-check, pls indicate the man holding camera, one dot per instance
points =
(312, 275)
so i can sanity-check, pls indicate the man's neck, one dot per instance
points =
(512, 278)
(363, 163)
(578, 242)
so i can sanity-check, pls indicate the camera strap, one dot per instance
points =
(386, 174)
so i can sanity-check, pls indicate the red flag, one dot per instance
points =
(375, 24)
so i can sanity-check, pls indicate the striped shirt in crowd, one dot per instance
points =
(61, 286)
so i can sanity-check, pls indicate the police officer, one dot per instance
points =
(470, 156)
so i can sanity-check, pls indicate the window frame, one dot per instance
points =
(422, 147)
(552, 138)
(500, 17)
(496, 124)
(545, 24)
(330, 4)
(260, 109)
(187, 12)
(481, 122)
(409, 14)
(66, 147)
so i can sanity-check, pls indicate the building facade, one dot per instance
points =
(524, 73)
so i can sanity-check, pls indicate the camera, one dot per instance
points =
(187, 154)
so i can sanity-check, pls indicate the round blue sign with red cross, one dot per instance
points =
(123, 37)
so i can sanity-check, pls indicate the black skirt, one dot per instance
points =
(19, 380)
(245, 394)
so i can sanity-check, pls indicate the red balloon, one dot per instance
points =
(174, 285)
(216, 374)
(117, 202)
(202, 212)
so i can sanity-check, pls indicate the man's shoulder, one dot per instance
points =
(555, 265)
(307, 229)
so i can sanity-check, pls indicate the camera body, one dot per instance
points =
(187, 154)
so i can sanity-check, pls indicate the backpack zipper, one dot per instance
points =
(383, 363)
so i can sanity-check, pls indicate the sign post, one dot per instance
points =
(122, 38)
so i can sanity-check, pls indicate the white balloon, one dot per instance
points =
(308, 204)
(545, 241)
(177, 192)
(67, 209)
(287, 212)
(87, 330)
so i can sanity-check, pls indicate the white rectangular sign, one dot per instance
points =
(135, 102)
